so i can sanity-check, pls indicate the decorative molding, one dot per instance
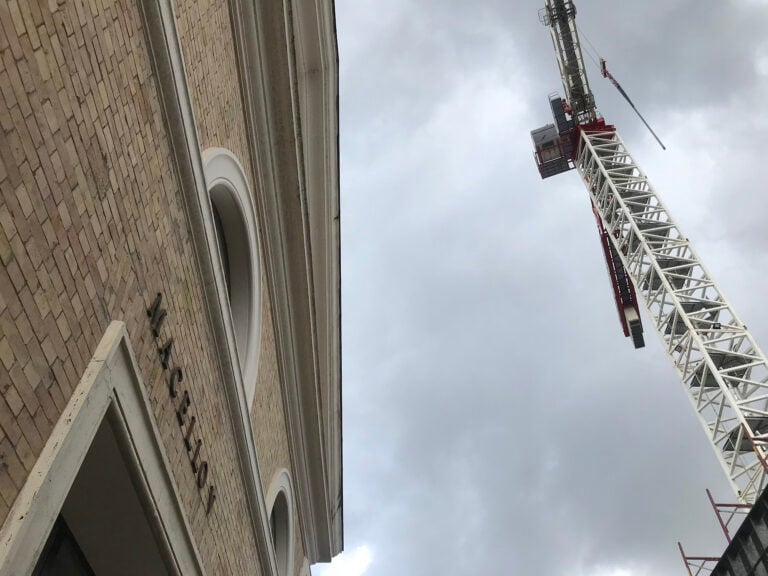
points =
(318, 97)
(265, 38)
(112, 388)
(257, 32)
(160, 25)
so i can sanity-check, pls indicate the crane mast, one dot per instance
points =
(723, 371)
(560, 16)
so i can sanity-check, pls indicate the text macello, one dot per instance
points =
(184, 417)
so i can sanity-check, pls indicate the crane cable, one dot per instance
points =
(606, 74)
(594, 50)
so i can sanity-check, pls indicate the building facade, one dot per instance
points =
(170, 288)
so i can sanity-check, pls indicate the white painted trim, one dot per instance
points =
(110, 387)
(281, 482)
(260, 39)
(264, 38)
(223, 170)
(316, 67)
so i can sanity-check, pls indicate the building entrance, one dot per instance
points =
(102, 528)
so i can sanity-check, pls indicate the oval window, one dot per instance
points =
(236, 234)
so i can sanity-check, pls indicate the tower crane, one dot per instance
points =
(724, 373)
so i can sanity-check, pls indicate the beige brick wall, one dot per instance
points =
(205, 33)
(268, 419)
(207, 43)
(92, 226)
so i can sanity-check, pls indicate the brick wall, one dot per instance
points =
(207, 43)
(205, 34)
(268, 420)
(92, 226)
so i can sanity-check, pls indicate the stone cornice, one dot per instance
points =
(316, 80)
(308, 342)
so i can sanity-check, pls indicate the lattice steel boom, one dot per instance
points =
(721, 367)
(723, 370)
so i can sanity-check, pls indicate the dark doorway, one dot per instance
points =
(62, 555)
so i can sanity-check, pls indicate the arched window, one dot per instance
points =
(280, 503)
(236, 233)
(223, 250)
(279, 526)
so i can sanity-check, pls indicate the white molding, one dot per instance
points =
(223, 169)
(259, 29)
(317, 64)
(160, 25)
(264, 36)
(111, 387)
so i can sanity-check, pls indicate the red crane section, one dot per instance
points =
(623, 289)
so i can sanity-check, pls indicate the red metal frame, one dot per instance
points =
(725, 512)
(729, 511)
(701, 564)
(623, 289)
(598, 125)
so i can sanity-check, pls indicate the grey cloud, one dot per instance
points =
(495, 417)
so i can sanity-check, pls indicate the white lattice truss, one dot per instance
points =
(722, 369)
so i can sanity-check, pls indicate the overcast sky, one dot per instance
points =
(496, 421)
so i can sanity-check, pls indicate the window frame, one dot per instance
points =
(228, 190)
(281, 485)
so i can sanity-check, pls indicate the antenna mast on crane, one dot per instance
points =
(724, 373)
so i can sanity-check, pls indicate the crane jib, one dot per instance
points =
(722, 369)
